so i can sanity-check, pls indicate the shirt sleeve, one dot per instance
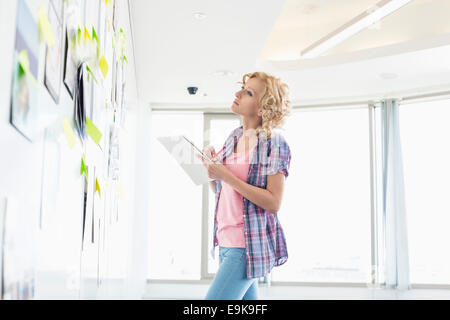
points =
(280, 157)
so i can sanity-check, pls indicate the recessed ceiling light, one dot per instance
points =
(223, 73)
(388, 76)
(200, 15)
(361, 22)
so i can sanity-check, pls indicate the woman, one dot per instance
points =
(248, 183)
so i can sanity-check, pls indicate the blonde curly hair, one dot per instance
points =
(274, 101)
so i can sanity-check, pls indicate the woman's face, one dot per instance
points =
(247, 102)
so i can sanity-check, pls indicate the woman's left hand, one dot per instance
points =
(216, 171)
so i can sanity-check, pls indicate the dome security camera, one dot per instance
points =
(192, 90)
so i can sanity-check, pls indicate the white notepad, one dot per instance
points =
(184, 151)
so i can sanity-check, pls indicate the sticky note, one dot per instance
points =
(24, 63)
(97, 187)
(95, 37)
(45, 28)
(106, 2)
(92, 131)
(78, 35)
(90, 72)
(83, 168)
(87, 36)
(70, 136)
(103, 64)
(119, 191)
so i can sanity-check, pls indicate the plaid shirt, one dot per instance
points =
(264, 238)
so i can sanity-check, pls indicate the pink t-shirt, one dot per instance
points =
(230, 221)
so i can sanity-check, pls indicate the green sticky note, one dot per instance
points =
(25, 65)
(95, 37)
(92, 131)
(83, 168)
(24, 62)
(90, 71)
(79, 35)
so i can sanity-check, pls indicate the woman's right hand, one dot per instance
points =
(210, 152)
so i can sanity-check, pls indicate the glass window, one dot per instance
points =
(326, 211)
(175, 226)
(424, 133)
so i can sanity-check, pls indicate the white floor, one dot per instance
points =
(197, 292)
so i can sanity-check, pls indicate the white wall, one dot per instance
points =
(62, 270)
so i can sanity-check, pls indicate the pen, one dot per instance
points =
(204, 155)
(220, 151)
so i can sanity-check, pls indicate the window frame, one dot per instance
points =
(377, 226)
(412, 100)
(207, 118)
(205, 275)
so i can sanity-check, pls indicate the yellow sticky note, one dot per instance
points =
(86, 35)
(45, 28)
(103, 64)
(92, 131)
(70, 136)
(106, 2)
(120, 192)
(97, 187)
(25, 65)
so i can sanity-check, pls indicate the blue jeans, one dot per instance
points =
(231, 282)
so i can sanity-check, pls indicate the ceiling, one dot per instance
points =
(175, 50)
